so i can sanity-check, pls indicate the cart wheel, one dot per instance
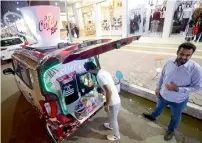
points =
(49, 130)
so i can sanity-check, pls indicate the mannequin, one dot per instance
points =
(135, 22)
(162, 17)
(156, 20)
(185, 16)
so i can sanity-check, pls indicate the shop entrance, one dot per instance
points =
(111, 18)
(147, 18)
(88, 20)
(183, 15)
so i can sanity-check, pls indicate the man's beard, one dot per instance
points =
(181, 61)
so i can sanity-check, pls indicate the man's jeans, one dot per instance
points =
(113, 118)
(176, 111)
(199, 35)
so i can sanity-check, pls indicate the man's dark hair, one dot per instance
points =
(187, 45)
(90, 66)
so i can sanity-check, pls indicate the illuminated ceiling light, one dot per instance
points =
(56, 3)
(17, 2)
(17, 9)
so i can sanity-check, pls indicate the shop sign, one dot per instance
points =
(48, 23)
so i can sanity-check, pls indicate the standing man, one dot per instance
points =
(178, 79)
(112, 104)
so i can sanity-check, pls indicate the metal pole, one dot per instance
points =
(68, 23)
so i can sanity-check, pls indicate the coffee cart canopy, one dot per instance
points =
(76, 51)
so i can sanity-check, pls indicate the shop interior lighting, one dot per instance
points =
(17, 9)
(56, 3)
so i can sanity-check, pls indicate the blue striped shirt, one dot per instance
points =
(187, 77)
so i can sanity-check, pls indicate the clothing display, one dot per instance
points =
(162, 13)
(182, 16)
(185, 18)
(184, 23)
(155, 24)
(186, 13)
(135, 22)
(162, 17)
(156, 16)
(144, 24)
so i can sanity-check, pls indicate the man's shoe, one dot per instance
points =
(113, 138)
(148, 116)
(168, 136)
(107, 126)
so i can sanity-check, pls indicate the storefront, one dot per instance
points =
(125, 18)
(111, 17)
(88, 20)
(182, 15)
(146, 17)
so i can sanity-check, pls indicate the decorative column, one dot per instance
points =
(125, 18)
(80, 18)
(74, 6)
(167, 27)
(97, 18)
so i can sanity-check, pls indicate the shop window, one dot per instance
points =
(23, 72)
(111, 17)
(182, 15)
(16, 67)
(88, 18)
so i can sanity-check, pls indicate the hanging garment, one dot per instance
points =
(150, 22)
(155, 24)
(189, 35)
(184, 24)
(186, 13)
(196, 13)
(132, 27)
(156, 16)
(137, 18)
(160, 27)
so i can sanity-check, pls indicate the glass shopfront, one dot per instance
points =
(111, 17)
(136, 20)
(116, 17)
(88, 20)
(105, 18)
(182, 15)
(146, 17)
(157, 17)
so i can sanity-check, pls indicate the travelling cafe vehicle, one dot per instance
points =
(55, 82)
(51, 74)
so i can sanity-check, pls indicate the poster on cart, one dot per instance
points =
(69, 87)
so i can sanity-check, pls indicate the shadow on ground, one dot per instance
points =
(20, 123)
